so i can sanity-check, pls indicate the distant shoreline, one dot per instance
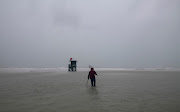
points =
(62, 69)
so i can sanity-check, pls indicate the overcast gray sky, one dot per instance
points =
(102, 33)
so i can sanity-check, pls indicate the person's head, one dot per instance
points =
(92, 69)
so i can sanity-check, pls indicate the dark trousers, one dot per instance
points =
(93, 82)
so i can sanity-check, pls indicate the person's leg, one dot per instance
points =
(91, 82)
(94, 82)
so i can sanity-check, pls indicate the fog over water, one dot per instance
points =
(102, 33)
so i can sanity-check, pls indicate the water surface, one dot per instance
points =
(116, 91)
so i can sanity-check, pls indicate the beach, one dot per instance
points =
(115, 91)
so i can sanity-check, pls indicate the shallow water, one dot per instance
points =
(116, 91)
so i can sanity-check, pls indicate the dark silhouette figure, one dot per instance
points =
(91, 75)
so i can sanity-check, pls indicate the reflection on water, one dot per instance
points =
(94, 99)
(93, 93)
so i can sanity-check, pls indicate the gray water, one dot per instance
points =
(116, 91)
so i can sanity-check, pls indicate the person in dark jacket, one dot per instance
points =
(91, 75)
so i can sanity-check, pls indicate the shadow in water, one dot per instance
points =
(93, 93)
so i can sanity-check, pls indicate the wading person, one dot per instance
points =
(91, 75)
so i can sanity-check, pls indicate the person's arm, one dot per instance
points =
(95, 73)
